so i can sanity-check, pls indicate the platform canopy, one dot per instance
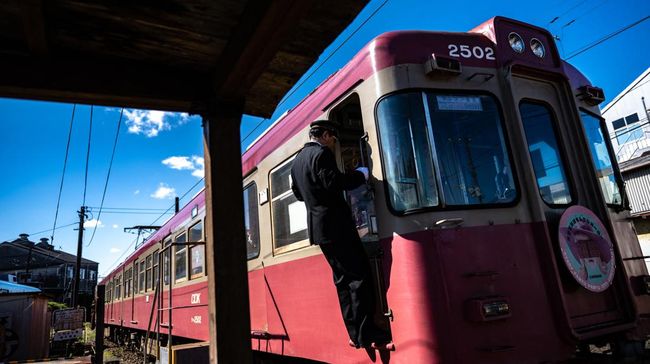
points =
(176, 55)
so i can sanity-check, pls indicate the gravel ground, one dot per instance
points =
(113, 351)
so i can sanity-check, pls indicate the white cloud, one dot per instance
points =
(179, 163)
(193, 163)
(92, 223)
(115, 250)
(147, 122)
(136, 192)
(115, 226)
(198, 173)
(164, 192)
(152, 122)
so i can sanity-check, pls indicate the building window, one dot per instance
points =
(70, 272)
(82, 273)
(197, 252)
(92, 275)
(627, 129)
(180, 258)
(141, 276)
(289, 215)
(148, 273)
(251, 221)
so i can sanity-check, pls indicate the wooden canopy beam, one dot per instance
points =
(93, 81)
(34, 26)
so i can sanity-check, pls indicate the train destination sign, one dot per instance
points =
(586, 248)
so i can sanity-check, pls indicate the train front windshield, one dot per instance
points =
(444, 150)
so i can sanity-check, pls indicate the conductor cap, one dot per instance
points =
(325, 124)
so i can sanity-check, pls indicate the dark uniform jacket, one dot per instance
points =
(318, 182)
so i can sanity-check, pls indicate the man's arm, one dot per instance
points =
(331, 178)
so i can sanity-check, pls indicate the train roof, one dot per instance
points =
(182, 216)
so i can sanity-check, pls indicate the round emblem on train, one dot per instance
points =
(586, 248)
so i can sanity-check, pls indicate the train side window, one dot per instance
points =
(148, 277)
(180, 258)
(141, 276)
(197, 252)
(155, 271)
(166, 260)
(128, 282)
(543, 148)
(118, 287)
(251, 222)
(602, 158)
(289, 216)
(109, 291)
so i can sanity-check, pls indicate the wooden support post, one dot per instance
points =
(99, 323)
(229, 316)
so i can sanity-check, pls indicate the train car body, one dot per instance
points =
(495, 215)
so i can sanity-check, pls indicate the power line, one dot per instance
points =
(90, 131)
(65, 164)
(127, 208)
(108, 176)
(58, 228)
(152, 223)
(296, 88)
(557, 17)
(607, 37)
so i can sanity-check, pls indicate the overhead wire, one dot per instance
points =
(605, 38)
(108, 176)
(57, 228)
(156, 220)
(296, 88)
(90, 131)
(65, 164)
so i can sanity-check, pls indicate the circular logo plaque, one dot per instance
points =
(586, 248)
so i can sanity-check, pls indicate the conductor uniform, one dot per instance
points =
(318, 182)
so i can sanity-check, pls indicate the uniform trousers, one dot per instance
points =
(352, 278)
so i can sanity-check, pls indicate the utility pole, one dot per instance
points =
(80, 240)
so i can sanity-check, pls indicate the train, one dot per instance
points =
(495, 217)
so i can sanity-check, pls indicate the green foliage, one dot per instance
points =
(53, 306)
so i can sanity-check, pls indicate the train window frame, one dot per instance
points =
(256, 236)
(612, 156)
(118, 287)
(191, 249)
(561, 150)
(141, 276)
(180, 249)
(128, 277)
(300, 244)
(148, 285)
(443, 206)
(167, 266)
(155, 268)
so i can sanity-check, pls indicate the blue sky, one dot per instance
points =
(159, 155)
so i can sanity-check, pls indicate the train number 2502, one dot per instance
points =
(465, 51)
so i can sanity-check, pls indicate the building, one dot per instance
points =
(629, 126)
(52, 271)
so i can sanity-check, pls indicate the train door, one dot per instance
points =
(564, 182)
(353, 152)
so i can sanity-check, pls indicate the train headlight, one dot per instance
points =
(537, 47)
(516, 42)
